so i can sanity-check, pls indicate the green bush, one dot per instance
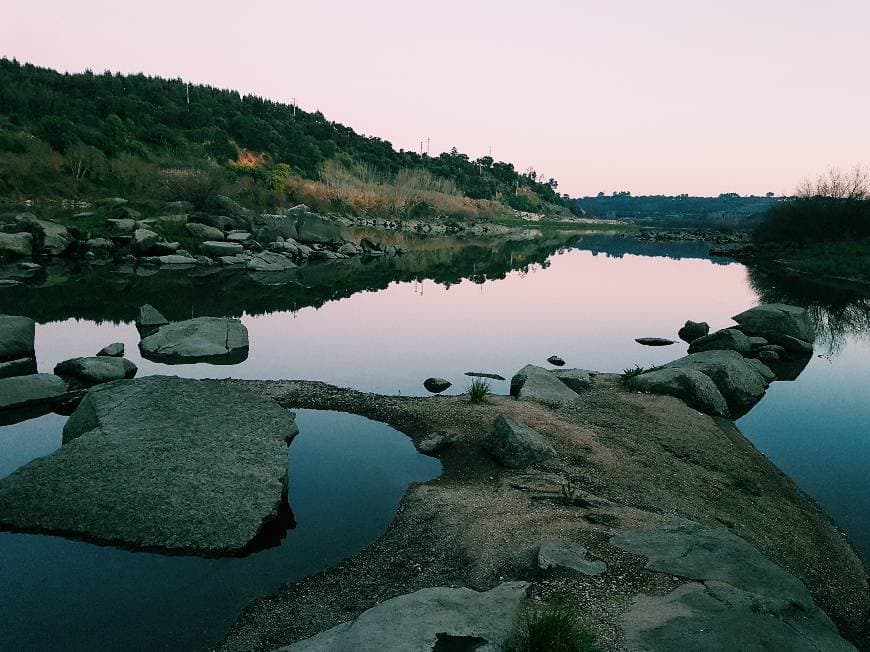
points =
(816, 219)
(478, 390)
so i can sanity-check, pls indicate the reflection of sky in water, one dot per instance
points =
(347, 474)
(587, 308)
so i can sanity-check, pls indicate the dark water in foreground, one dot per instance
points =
(385, 327)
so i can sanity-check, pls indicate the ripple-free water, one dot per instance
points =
(586, 304)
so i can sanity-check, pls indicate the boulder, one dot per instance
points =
(768, 356)
(763, 370)
(176, 259)
(122, 225)
(96, 370)
(16, 337)
(100, 245)
(16, 245)
(160, 463)
(232, 207)
(214, 248)
(239, 236)
(114, 350)
(267, 261)
(695, 388)
(348, 249)
(515, 445)
(149, 320)
(204, 232)
(28, 391)
(110, 202)
(172, 221)
(654, 341)
(556, 361)
(566, 554)
(436, 385)
(216, 340)
(56, 239)
(312, 229)
(143, 241)
(268, 228)
(177, 207)
(534, 383)
(163, 248)
(439, 618)
(790, 344)
(728, 339)
(692, 330)
(19, 367)
(738, 381)
(576, 379)
(780, 318)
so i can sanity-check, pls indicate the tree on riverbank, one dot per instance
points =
(834, 207)
(86, 135)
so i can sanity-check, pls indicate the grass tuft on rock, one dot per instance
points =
(478, 390)
(632, 372)
(552, 627)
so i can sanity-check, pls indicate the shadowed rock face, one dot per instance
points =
(427, 620)
(745, 602)
(159, 463)
(780, 318)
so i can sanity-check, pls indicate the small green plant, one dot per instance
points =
(631, 372)
(552, 627)
(478, 390)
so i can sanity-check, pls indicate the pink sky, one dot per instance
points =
(653, 97)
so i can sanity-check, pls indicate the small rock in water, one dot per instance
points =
(556, 361)
(114, 350)
(484, 374)
(149, 319)
(436, 385)
(93, 371)
(654, 341)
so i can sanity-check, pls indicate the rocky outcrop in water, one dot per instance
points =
(436, 385)
(728, 339)
(440, 618)
(95, 370)
(216, 340)
(30, 391)
(692, 330)
(159, 463)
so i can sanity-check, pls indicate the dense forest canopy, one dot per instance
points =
(75, 135)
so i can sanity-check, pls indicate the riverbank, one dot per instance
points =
(625, 461)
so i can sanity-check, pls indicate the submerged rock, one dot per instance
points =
(515, 445)
(692, 330)
(436, 385)
(159, 463)
(439, 618)
(217, 340)
(780, 318)
(28, 391)
(534, 383)
(654, 341)
(99, 369)
(691, 385)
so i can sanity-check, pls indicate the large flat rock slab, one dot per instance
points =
(216, 340)
(16, 337)
(429, 619)
(29, 391)
(159, 463)
(739, 601)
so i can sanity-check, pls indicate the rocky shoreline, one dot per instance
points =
(625, 463)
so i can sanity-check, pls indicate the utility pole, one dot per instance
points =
(294, 107)
(188, 93)
(427, 145)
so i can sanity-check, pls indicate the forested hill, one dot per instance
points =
(75, 134)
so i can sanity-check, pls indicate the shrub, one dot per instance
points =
(552, 627)
(631, 372)
(478, 390)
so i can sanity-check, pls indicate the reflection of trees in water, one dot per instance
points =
(838, 312)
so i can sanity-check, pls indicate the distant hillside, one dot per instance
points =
(728, 210)
(83, 135)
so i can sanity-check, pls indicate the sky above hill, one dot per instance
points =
(659, 97)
